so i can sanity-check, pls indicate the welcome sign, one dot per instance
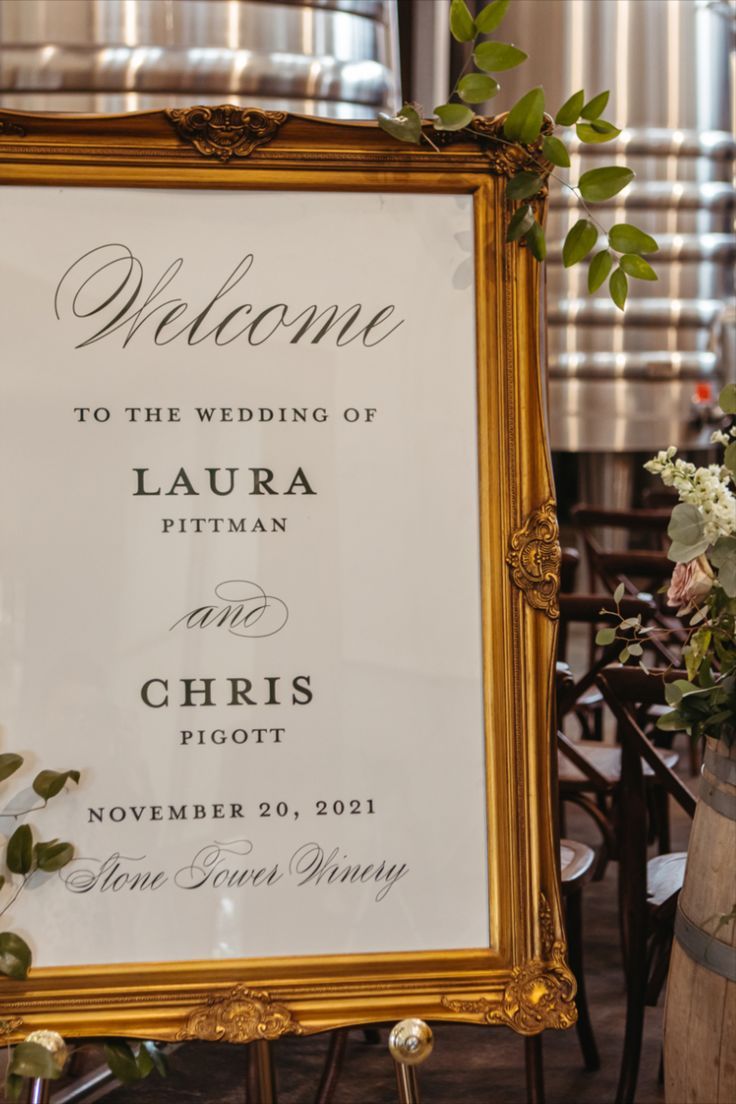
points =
(278, 572)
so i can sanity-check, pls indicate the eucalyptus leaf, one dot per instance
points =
(727, 399)
(596, 133)
(490, 17)
(144, 1062)
(524, 121)
(49, 783)
(520, 223)
(14, 1085)
(619, 592)
(34, 1060)
(158, 1058)
(453, 116)
(729, 457)
(626, 238)
(462, 27)
(636, 266)
(684, 553)
(623, 655)
(579, 241)
(555, 151)
(599, 268)
(53, 855)
(474, 88)
(569, 113)
(595, 107)
(9, 764)
(406, 126)
(672, 722)
(19, 854)
(523, 185)
(723, 550)
(618, 286)
(635, 649)
(122, 1061)
(727, 577)
(15, 956)
(687, 524)
(604, 637)
(535, 239)
(492, 57)
(600, 184)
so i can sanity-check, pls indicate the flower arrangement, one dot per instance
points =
(702, 530)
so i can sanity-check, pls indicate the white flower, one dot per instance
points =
(707, 488)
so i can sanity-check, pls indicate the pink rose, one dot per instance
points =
(690, 583)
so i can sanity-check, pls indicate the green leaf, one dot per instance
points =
(597, 132)
(684, 553)
(406, 126)
(569, 113)
(599, 268)
(520, 223)
(595, 107)
(599, 184)
(53, 855)
(687, 524)
(636, 649)
(144, 1062)
(14, 1085)
(490, 17)
(476, 87)
(49, 783)
(158, 1058)
(555, 151)
(452, 116)
(535, 239)
(727, 578)
(723, 550)
(34, 1060)
(727, 399)
(9, 764)
(626, 238)
(618, 286)
(462, 27)
(637, 267)
(524, 120)
(15, 956)
(19, 854)
(492, 57)
(729, 457)
(604, 637)
(579, 241)
(619, 592)
(122, 1061)
(523, 185)
(623, 655)
(671, 722)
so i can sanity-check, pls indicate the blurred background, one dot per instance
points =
(620, 386)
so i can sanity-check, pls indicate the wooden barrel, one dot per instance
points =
(700, 1013)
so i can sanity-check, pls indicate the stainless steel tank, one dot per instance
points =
(641, 380)
(336, 58)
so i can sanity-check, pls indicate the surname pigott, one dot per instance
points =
(259, 483)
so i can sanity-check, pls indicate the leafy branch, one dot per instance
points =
(620, 251)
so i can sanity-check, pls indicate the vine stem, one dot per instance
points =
(24, 812)
(15, 896)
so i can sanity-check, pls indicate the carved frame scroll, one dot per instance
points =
(520, 978)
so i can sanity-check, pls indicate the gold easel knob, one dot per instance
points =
(410, 1042)
(53, 1043)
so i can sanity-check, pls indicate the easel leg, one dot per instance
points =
(410, 1042)
(260, 1085)
(40, 1091)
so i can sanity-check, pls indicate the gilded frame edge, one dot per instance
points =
(525, 983)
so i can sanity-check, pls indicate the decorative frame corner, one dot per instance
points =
(225, 131)
(534, 558)
(239, 1016)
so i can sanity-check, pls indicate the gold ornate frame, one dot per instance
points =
(521, 980)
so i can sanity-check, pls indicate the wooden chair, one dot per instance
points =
(648, 889)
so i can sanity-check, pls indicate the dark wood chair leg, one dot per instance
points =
(586, 1038)
(534, 1069)
(333, 1066)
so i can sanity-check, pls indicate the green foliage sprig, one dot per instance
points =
(620, 251)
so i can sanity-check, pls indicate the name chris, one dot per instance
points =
(159, 693)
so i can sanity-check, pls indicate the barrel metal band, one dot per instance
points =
(705, 949)
(719, 800)
(723, 768)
